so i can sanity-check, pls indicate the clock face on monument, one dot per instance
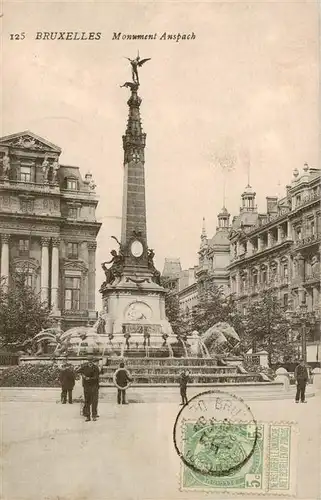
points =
(136, 248)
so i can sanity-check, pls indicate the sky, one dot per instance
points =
(245, 88)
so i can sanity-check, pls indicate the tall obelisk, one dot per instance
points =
(134, 300)
(134, 231)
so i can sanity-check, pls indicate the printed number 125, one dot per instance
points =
(17, 36)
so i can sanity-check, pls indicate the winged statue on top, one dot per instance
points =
(135, 64)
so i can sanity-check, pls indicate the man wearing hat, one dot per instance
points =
(90, 382)
(301, 377)
(67, 380)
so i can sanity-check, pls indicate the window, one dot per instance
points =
(312, 228)
(27, 274)
(285, 270)
(298, 233)
(264, 276)
(254, 279)
(72, 212)
(72, 294)
(29, 280)
(72, 250)
(72, 184)
(285, 300)
(25, 174)
(23, 247)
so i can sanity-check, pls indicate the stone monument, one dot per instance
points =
(133, 298)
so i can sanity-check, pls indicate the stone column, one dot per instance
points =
(270, 239)
(55, 276)
(259, 243)
(268, 272)
(92, 245)
(237, 283)
(44, 269)
(280, 234)
(84, 255)
(249, 247)
(5, 256)
(289, 231)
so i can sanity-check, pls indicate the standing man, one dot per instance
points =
(67, 381)
(183, 381)
(121, 380)
(301, 377)
(90, 382)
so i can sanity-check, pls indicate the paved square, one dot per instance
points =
(50, 452)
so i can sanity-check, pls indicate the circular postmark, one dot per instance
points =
(215, 433)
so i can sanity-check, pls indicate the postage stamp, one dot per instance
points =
(224, 449)
(216, 433)
(216, 446)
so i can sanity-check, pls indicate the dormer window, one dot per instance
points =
(25, 174)
(72, 184)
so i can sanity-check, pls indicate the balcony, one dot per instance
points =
(312, 278)
(307, 241)
(24, 185)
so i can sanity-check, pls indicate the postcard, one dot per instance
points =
(160, 250)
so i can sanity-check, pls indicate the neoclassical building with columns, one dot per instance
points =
(48, 226)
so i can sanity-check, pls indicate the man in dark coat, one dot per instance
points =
(301, 376)
(121, 380)
(67, 381)
(183, 381)
(90, 382)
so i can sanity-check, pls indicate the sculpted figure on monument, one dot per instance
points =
(55, 168)
(6, 164)
(116, 269)
(156, 273)
(135, 64)
(45, 168)
(130, 85)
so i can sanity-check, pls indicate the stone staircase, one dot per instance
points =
(166, 371)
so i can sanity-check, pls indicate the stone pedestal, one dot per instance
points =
(135, 308)
(283, 376)
(316, 372)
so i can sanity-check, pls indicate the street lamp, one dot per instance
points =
(303, 319)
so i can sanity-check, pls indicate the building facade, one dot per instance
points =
(214, 256)
(280, 249)
(48, 226)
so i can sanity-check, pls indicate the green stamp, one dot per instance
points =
(221, 446)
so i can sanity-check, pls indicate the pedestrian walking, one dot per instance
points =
(90, 382)
(67, 380)
(122, 379)
(183, 381)
(301, 376)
